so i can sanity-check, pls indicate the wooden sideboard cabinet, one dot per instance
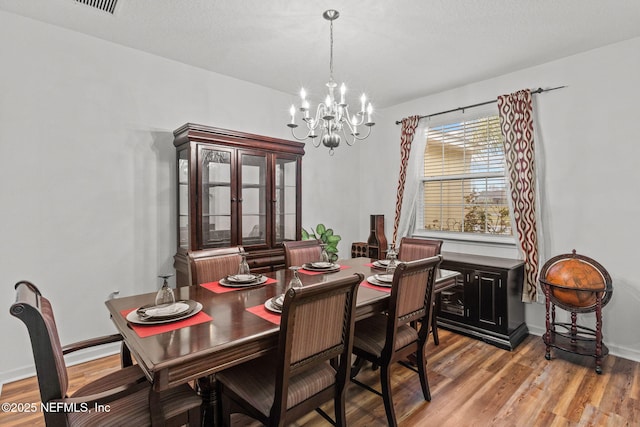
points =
(236, 188)
(486, 301)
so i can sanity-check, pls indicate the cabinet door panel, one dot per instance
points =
(183, 198)
(285, 199)
(216, 198)
(488, 285)
(254, 199)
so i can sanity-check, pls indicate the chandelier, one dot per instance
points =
(332, 118)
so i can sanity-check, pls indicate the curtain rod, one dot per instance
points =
(539, 90)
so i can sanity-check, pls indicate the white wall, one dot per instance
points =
(87, 185)
(587, 158)
(87, 170)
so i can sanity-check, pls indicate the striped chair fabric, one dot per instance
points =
(417, 248)
(297, 253)
(388, 337)
(214, 264)
(316, 326)
(412, 249)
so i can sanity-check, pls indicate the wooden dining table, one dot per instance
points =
(233, 327)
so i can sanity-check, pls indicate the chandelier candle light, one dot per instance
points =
(332, 117)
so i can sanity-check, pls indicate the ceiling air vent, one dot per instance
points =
(105, 5)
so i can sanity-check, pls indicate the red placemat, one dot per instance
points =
(144, 331)
(261, 311)
(377, 288)
(312, 273)
(219, 289)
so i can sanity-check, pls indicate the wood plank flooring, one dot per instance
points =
(472, 384)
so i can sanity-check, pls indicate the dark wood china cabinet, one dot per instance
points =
(236, 188)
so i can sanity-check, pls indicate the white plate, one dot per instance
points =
(373, 281)
(165, 311)
(322, 264)
(387, 278)
(243, 278)
(226, 283)
(381, 263)
(268, 304)
(133, 317)
(310, 267)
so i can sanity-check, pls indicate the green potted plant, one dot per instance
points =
(326, 236)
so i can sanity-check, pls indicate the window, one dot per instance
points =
(463, 187)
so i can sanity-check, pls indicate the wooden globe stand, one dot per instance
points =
(577, 284)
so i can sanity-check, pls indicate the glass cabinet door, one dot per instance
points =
(183, 199)
(215, 197)
(285, 207)
(253, 198)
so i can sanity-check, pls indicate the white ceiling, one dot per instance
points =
(393, 50)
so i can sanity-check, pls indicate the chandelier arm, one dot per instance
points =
(359, 115)
(360, 138)
(293, 133)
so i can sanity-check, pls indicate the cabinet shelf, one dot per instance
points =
(583, 342)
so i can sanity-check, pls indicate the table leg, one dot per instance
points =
(206, 388)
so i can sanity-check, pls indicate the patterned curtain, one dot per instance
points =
(516, 122)
(409, 125)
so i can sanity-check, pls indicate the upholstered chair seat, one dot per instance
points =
(250, 383)
(371, 335)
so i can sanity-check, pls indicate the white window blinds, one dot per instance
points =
(464, 187)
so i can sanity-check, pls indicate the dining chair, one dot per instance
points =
(412, 248)
(311, 364)
(124, 397)
(211, 265)
(297, 253)
(388, 337)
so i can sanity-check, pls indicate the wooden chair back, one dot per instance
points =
(316, 326)
(212, 265)
(297, 253)
(35, 312)
(412, 248)
(411, 298)
(127, 392)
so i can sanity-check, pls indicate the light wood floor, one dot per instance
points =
(472, 384)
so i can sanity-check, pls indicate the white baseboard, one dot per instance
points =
(72, 359)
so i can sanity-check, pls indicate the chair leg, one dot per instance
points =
(434, 330)
(125, 356)
(357, 365)
(385, 381)
(340, 415)
(224, 416)
(422, 373)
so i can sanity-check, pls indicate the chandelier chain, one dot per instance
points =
(331, 51)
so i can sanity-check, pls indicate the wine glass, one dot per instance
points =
(295, 281)
(165, 294)
(243, 268)
(392, 256)
(324, 255)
